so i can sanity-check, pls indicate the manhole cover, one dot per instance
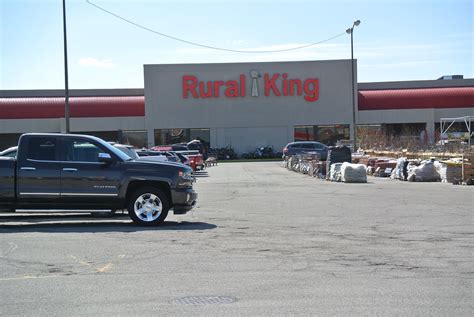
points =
(205, 300)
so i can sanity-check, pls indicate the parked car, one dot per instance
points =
(171, 147)
(132, 152)
(196, 159)
(184, 159)
(127, 149)
(81, 172)
(10, 152)
(305, 147)
(170, 156)
(179, 147)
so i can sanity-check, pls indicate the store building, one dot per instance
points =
(246, 105)
(241, 105)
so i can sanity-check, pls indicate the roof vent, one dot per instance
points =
(450, 77)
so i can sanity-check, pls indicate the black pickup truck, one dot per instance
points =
(80, 172)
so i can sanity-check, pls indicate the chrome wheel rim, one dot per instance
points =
(148, 207)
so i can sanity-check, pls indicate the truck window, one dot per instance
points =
(78, 150)
(307, 146)
(42, 148)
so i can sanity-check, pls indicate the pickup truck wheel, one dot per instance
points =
(148, 206)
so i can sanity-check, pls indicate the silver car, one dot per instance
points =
(305, 147)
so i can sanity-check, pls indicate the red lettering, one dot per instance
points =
(299, 88)
(189, 85)
(242, 86)
(271, 84)
(285, 84)
(202, 92)
(232, 89)
(237, 88)
(217, 86)
(311, 93)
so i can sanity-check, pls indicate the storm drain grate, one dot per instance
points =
(205, 300)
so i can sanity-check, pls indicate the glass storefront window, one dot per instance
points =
(326, 134)
(173, 136)
(138, 139)
(200, 134)
(304, 133)
(108, 136)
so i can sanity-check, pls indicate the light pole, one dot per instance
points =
(354, 133)
(66, 84)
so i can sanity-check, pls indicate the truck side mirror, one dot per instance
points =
(105, 158)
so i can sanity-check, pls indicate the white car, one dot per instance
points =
(10, 152)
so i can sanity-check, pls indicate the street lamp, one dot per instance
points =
(351, 32)
(66, 84)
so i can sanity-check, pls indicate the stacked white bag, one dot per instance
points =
(353, 173)
(397, 172)
(335, 172)
(426, 172)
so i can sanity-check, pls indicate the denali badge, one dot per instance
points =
(104, 186)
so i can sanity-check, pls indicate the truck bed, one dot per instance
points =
(7, 180)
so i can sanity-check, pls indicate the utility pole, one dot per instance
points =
(354, 128)
(66, 84)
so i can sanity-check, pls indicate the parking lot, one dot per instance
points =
(262, 241)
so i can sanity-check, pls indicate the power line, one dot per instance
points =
(207, 46)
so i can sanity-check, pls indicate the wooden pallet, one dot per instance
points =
(468, 169)
(412, 155)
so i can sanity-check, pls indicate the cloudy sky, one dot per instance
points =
(396, 40)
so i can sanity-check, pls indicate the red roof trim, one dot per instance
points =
(451, 97)
(81, 107)
(134, 106)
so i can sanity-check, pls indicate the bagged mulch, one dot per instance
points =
(353, 173)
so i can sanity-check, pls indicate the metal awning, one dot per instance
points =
(446, 123)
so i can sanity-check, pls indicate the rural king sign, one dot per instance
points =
(275, 84)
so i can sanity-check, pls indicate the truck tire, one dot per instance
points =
(148, 206)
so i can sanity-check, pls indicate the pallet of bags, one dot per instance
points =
(384, 167)
(295, 163)
(320, 169)
(304, 166)
(453, 173)
(468, 168)
(338, 154)
(353, 173)
(313, 159)
(292, 163)
(401, 169)
(307, 165)
(450, 171)
(334, 174)
(425, 172)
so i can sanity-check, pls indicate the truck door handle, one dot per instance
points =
(28, 169)
(70, 169)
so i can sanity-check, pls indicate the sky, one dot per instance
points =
(396, 39)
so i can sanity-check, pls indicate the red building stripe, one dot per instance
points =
(134, 106)
(81, 107)
(452, 97)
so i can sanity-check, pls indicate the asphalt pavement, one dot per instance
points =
(263, 241)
